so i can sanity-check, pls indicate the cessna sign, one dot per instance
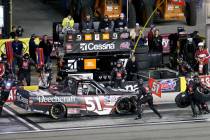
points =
(97, 46)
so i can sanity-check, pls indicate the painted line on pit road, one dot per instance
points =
(21, 120)
(202, 120)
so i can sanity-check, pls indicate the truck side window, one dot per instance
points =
(89, 89)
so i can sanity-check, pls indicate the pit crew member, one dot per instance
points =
(144, 97)
(202, 57)
(25, 69)
(118, 75)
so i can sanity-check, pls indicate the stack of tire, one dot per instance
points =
(142, 58)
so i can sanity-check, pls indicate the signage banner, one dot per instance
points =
(97, 42)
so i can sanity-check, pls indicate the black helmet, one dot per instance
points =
(140, 82)
(4, 57)
(47, 67)
(196, 79)
(26, 56)
(119, 62)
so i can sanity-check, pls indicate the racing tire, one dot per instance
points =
(141, 49)
(190, 12)
(147, 10)
(182, 100)
(155, 59)
(133, 101)
(123, 106)
(144, 65)
(142, 57)
(58, 111)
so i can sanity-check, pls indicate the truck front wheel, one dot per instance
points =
(58, 111)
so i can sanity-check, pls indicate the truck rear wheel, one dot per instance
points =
(123, 106)
(190, 12)
(58, 111)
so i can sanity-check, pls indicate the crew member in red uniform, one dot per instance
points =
(25, 69)
(118, 75)
(5, 68)
(202, 57)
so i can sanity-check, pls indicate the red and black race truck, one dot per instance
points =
(76, 96)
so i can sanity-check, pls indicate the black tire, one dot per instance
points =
(123, 106)
(182, 100)
(155, 59)
(142, 50)
(144, 65)
(58, 111)
(147, 10)
(191, 13)
(133, 101)
(141, 57)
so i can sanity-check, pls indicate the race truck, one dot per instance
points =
(76, 96)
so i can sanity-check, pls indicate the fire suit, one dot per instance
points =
(143, 98)
(118, 75)
(202, 57)
(25, 71)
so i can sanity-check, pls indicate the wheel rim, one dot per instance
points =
(58, 111)
(123, 106)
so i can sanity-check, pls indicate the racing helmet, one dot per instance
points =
(26, 56)
(140, 82)
(3, 57)
(201, 44)
(119, 63)
(47, 67)
(196, 79)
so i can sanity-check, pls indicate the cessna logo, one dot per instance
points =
(97, 47)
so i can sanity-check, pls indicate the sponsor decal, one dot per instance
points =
(97, 47)
(205, 80)
(73, 111)
(88, 37)
(12, 96)
(132, 88)
(56, 99)
(78, 38)
(93, 103)
(69, 37)
(97, 37)
(124, 36)
(105, 36)
(72, 65)
(125, 45)
(110, 99)
(114, 36)
(168, 85)
(154, 87)
(89, 64)
(22, 99)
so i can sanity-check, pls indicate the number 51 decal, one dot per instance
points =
(155, 87)
(93, 103)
